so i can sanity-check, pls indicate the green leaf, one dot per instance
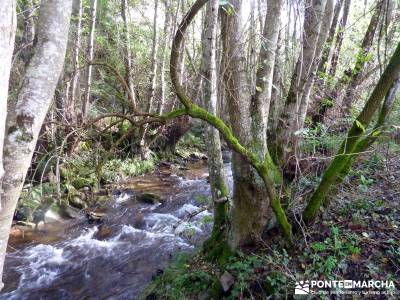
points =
(376, 133)
(360, 125)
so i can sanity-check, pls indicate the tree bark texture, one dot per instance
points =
(34, 99)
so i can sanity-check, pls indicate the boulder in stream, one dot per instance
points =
(77, 201)
(94, 217)
(104, 232)
(148, 198)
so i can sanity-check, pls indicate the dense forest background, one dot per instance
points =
(301, 94)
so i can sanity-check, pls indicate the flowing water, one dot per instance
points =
(116, 258)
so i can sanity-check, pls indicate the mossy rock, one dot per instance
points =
(77, 201)
(79, 183)
(67, 211)
(59, 212)
(148, 198)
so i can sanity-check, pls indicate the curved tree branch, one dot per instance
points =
(193, 110)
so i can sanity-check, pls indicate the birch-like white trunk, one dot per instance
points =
(8, 26)
(34, 99)
(210, 93)
(75, 86)
(164, 49)
(260, 101)
(127, 50)
(144, 148)
(323, 35)
(90, 56)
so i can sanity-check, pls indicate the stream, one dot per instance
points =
(116, 258)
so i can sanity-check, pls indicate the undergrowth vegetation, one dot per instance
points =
(357, 239)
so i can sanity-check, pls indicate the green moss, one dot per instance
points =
(273, 170)
(349, 145)
(217, 248)
(264, 169)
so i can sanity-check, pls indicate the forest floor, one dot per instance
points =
(357, 238)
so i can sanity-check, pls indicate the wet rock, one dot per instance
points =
(78, 202)
(148, 198)
(94, 217)
(102, 192)
(166, 164)
(67, 211)
(139, 220)
(198, 155)
(19, 216)
(227, 280)
(38, 216)
(52, 215)
(25, 224)
(103, 233)
(80, 183)
(101, 199)
(16, 232)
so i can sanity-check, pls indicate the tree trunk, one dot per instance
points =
(249, 189)
(352, 77)
(376, 132)
(322, 108)
(153, 60)
(285, 142)
(349, 145)
(260, 101)
(181, 63)
(217, 246)
(164, 48)
(74, 93)
(8, 25)
(323, 35)
(127, 51)
(339, 38)
(90, 56)
(251, 205)
(29, 30)
(277, 92)
(323, 64)
(143, 146)
(34, 99)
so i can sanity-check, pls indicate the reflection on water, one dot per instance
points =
(117, 258)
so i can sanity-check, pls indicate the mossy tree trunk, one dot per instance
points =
(353, 77)
(349, 145)
(250, 204)
(248, 111)
(376, 132)
(264, 167)
(217, 246)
